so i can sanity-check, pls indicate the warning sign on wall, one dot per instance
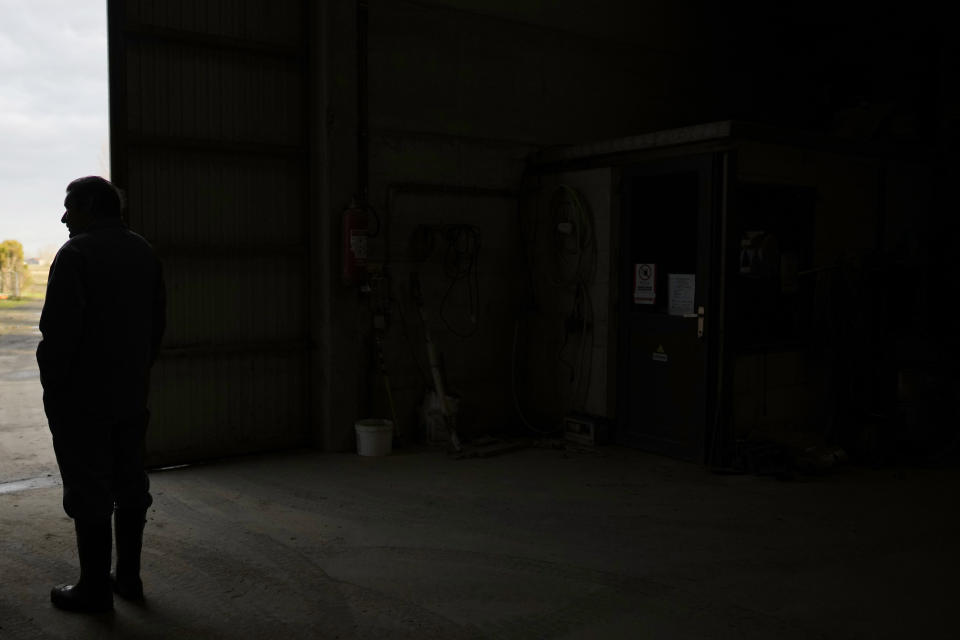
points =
(660, 355)
(644, 283)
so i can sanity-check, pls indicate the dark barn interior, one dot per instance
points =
(655, 296)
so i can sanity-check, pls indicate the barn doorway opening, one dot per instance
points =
(54, 123)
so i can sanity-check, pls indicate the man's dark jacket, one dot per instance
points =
(102, 322)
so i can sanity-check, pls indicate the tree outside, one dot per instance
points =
(14, 275)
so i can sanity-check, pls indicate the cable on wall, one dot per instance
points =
(573, 269)
(461, 259)
(461, 264)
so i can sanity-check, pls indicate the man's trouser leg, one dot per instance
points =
(83, 455)
(129, 524)
(132, 491)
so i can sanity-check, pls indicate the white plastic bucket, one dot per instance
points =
(374, 437)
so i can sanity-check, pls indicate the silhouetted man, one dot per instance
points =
(102, 322)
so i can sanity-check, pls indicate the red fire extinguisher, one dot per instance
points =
(355, 233)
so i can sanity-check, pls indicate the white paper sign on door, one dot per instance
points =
(645, 283)
(680, 293)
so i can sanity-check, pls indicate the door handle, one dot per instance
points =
(700, 321)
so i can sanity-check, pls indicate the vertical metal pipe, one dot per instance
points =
(882, 206)
(724, 362)
(312, 375)
(363, 125)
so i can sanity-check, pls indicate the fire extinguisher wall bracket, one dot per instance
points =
(354, 244)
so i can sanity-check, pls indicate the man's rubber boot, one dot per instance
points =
(129, 525)
(91, 593)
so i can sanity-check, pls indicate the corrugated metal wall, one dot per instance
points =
(209, 128)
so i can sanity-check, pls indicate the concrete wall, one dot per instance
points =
(460, 92)
(533, 72)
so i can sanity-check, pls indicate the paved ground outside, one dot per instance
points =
(25, 447)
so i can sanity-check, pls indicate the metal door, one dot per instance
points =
(667, 245)
(208, 109)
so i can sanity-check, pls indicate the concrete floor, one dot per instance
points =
(538, 543)
(534, 544)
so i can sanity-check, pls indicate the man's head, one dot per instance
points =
(90, 199)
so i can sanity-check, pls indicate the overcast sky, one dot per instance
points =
(53, 112)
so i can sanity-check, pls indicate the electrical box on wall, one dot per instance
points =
(585, 429)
